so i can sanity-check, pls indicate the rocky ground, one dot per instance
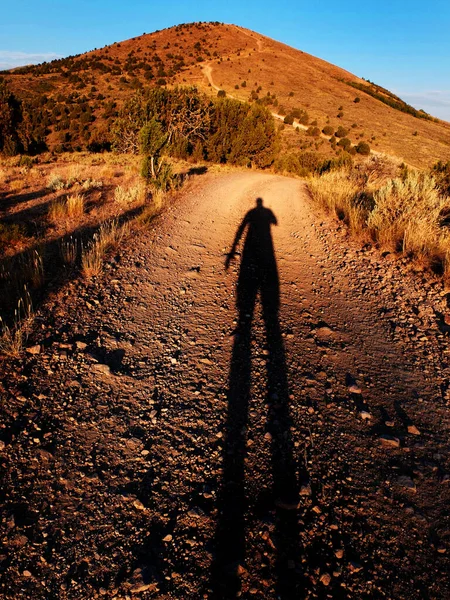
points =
(154, 446)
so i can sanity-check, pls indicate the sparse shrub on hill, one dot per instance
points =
(345, 143)
(363, 148)
(313, 131)
(288, 119)
(341, 132)
(328, 130)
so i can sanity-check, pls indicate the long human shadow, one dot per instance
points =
(258, 275)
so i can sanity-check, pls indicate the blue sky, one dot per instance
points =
(404, 46)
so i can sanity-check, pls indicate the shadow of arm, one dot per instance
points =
(236, 241)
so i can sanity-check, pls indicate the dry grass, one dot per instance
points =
(66, 211)
(335, 192)
(152, 208)
(402, 214)
(407, 216)
(69, 251)
(13, 337)
(108, 238)
(132, 195)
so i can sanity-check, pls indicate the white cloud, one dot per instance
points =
(435, 102)
(9, 59)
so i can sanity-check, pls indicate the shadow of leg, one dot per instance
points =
(284, 467)
(232, 503)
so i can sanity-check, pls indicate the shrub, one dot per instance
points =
(341, 132)
(289, 120)
(328, 130)
(55, 182)
(221, 94)
(313, 131)
(357, 99)
(344, 143)
(408, 213)
(363, 148)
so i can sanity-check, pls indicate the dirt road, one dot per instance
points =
(163, 442)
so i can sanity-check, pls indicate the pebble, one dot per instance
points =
(101, 368)
(305, 490)
(354, 389)
(34, 349)
(325, 578)
(138, 504)
(366, 416)
(406, 482)
(413, 429)
(168, 538)
(390, 441)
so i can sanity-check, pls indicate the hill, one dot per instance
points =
(78, 98)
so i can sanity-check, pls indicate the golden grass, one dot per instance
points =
(62, 212)
(109, 236)
(12, 338)
(402, 214)
(69, 251)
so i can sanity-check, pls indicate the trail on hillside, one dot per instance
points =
(274, 429)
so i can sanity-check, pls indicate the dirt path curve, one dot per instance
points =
(159, 446)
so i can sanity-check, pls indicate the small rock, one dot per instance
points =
(268, 436)
(305, 490)
(339, 553)
(2, 445)
(365, 416)
(325, 578)
(355, 567)
(354, 388)
(406, 482)
(80, 345)
(168, 538)
(26, 574)
(413, 429)
(138, 504)
(101, 368)
(34, 349)
(390, 441)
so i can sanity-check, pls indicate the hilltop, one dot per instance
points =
(79, 97)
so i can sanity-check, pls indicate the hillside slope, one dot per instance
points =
(81, 95)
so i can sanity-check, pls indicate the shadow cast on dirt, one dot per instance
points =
(258, 275)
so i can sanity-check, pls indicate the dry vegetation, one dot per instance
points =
(400, 209)
(64, 218)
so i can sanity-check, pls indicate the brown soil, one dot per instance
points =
(159, 445)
